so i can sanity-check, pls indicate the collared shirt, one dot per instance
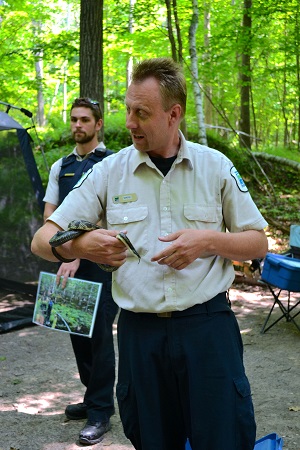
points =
(52, 190)
(201, 191)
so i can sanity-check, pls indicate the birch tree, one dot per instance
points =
(208, 113)
(39, 65)
(195, 75)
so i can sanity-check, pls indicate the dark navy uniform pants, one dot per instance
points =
(95, 356)
(183, 377)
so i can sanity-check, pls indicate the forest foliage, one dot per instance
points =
(47, 34)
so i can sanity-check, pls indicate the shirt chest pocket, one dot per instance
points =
(201, 217)
(132, 219)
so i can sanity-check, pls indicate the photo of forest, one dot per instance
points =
(71, 309)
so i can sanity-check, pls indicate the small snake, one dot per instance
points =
(77, 227)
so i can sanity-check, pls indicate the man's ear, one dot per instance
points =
(99, 124)
(175, 113)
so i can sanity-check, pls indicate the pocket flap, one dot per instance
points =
(201, 213)
(242, 386)
(126, 214)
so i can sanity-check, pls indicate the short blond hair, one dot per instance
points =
(169, 75)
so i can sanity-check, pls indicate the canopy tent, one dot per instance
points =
(8, 123)
(21, 214)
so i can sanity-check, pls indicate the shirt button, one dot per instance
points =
(165, 208)
(170, 289)
(125, 219)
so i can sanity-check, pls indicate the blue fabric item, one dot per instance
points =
(269, 442)
(36, 181)
(188, 445)
(295, 236)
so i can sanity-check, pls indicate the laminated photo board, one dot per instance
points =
(72, 309)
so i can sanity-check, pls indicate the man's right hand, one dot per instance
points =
(100, 246)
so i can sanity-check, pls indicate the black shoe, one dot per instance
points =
(93, 432)
(76, 412)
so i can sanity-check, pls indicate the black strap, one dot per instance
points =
(59, 257)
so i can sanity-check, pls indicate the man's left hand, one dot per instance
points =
(185, 246)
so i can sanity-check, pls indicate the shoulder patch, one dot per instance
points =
(83, 178)
(238, 179)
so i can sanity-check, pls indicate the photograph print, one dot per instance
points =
(72, 309)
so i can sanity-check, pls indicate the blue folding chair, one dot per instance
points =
(269, 442)
(281, 272)
(294, 250)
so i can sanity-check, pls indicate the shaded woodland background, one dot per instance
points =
(246, 53)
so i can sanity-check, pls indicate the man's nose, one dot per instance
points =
(131, 122)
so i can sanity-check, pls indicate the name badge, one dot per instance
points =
(124, 198)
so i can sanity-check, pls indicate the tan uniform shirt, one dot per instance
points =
(201, 191)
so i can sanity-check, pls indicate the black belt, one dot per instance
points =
(216, 304)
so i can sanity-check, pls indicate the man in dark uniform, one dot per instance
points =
(95, 357)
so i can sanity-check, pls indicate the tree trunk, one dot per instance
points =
(91, 50)
(170, 29)
(245, 76)
(39, 65)
(194, 70)
(130, 29)
(40, 95)
(208, 111)
(178, 33)
(278, 159)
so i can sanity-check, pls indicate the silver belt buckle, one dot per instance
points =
(164, 314)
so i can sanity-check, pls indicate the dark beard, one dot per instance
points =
(83, 138)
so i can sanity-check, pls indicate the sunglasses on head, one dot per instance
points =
(86, 100)
(93, 102)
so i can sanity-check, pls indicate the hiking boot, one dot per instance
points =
(76, 411)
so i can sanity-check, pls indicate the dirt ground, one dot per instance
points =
(38, 378)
